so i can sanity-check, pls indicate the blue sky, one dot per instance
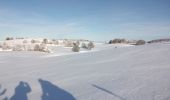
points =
(87, 19)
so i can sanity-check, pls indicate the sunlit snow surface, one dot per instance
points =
(107, 73)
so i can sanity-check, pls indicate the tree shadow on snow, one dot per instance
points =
(52, 92)
(2, 92)
(107, 91)
(21, 91)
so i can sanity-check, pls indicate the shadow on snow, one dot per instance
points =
(21, 91)
(107, 91)
(52, 92)
(49, 92)
(2, 92)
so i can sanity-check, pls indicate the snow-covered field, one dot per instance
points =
(106, 73)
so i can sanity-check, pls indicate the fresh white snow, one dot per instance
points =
(107, 73)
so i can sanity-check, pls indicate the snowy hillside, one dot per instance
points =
(107, 73)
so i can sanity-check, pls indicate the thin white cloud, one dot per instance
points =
(35, 23)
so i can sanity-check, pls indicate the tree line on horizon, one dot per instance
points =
(124, 41)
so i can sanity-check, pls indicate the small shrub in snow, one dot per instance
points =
(140, 42)
(1, 45)
(111, 41)
(33, 41)
(45, 41)
(90, 45)
(18, 48)
(75, 48)
(68, 44)
(41, 47)
(55, 42)
(29, 48)
(25, 41)
(83, 45)
(37, 47)
(5, 46)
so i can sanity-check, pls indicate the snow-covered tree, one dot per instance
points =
(41, 47)
(83, 45)
(18, 47)
(140, 42)
(45, 41)
(75, 48)
(5, 46)
(90, 45)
